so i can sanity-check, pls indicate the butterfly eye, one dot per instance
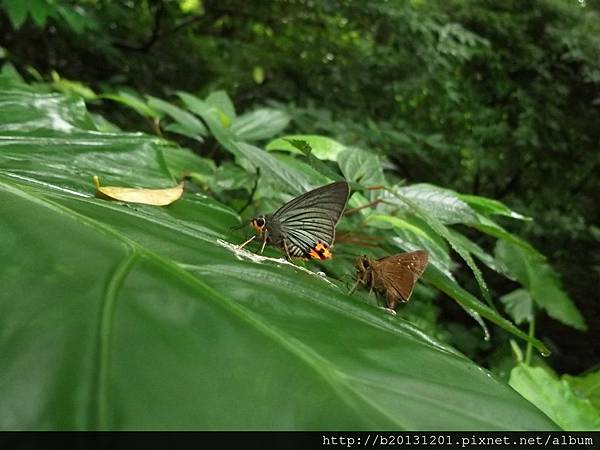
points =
(258, 224)
(366, 263)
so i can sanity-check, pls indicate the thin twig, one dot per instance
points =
(251, 197)
(156, 127)
(368, 205)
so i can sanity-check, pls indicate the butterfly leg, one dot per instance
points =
(372, 285)
(264, 242)
(354, 287)
(391, 302)
(286, 250)
(246, 243)
(359, 280)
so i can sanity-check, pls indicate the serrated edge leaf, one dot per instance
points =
(492, 206)
(330, 153)
(441, 229)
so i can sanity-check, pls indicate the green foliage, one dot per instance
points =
(443, 204)
(432, 206)
(361, 167)
(519, 306)
(158, 303)
(260, 124)
(490, 206)
(541, 282)
(133, 101)
(40, 11)
(470, 95)
(555, 398)
(188, 125)
(586, 387)
(475, 121)
(322, 147)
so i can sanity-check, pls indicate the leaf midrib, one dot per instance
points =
(104, 334)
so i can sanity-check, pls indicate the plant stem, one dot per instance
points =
(529, 346)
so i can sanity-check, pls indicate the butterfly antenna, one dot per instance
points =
(237, 227)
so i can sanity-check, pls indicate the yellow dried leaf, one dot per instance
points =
(157, 197)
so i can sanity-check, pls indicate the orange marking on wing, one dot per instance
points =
(320, 251)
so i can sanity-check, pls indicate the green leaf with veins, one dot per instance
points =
(105, 304)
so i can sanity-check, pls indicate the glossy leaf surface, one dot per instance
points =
(117, 316)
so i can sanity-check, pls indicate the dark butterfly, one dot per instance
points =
(305, 226)
(392, 277)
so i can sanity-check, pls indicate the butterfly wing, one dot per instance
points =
(401, 272)
(310, 236)
(329, 199)
(308, 221)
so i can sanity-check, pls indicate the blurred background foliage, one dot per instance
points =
(492, 100)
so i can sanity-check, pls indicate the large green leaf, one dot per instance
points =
(118, 316)
(438, 202)
(555, 398)
(62, 114)
(587, 387)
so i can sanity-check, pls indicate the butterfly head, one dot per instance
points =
(362, 264)
(259, 224)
